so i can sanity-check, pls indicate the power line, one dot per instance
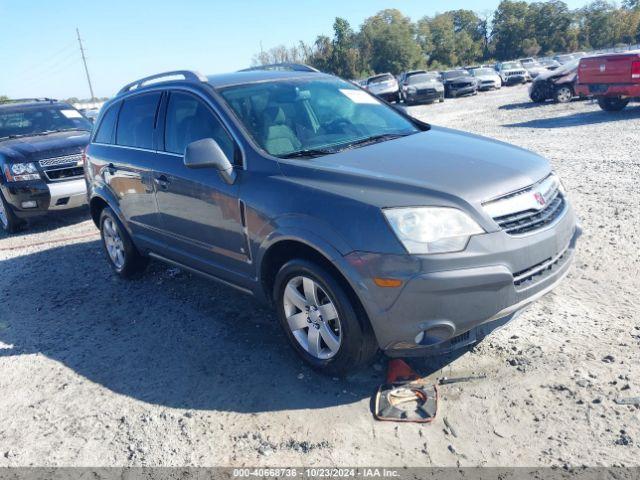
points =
(84, 61)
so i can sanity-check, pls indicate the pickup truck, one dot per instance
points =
(612, 79)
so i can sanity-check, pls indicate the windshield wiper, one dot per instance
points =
(374, 139)
(308, 153)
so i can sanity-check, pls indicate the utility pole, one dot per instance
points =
(84, 61)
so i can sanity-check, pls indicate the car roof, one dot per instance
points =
(255, 76)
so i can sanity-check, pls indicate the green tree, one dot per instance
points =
(443, 39)
(509, 29)
(4, 99)
(389, 41)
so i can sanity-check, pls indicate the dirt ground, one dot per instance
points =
(173, 370)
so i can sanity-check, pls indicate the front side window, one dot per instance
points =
(137, 121)
(20, 121)
(189, 119)
(313, 116)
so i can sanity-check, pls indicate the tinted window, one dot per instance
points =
(188, 120)
(108, 125)
(136, 121)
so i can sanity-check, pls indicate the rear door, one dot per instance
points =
(200, 214)
(130, 168)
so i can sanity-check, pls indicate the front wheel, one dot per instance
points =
(8, 220)
(325, 326)
(563, 94)
(537, 95)
(123, 256)
(612, 104)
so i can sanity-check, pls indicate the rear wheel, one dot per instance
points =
(326, 328)
(8, 220)
(123, 256)
(563, 94)
(612, 104)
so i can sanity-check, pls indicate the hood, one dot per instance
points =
(36, 147)
(559, 72)
(488, 76)
(440, 166)
(461, 78)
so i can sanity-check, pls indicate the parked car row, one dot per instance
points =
(310, 194)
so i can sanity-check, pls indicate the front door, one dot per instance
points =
(200, 214)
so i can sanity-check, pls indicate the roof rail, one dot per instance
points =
(295, 67)
(25, 100)
(188, 75)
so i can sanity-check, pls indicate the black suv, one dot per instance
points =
(41, 147)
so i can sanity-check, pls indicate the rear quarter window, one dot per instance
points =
(136, 121)
(107, 127)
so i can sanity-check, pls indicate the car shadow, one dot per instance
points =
(580, 119)
(169, 338)
(53, 220)
(525, 105)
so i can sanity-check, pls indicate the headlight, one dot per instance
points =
(20, 172)
(432, 229)
(411, 90)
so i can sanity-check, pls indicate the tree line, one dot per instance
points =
(389, 41)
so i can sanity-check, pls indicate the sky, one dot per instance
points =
(127, 40)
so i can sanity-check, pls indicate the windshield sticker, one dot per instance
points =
(71, 113)
(358, 96)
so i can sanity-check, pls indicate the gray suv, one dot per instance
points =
(366, 229)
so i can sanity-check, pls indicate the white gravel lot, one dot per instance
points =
(173, 370)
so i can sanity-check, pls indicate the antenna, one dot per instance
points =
(84, 61)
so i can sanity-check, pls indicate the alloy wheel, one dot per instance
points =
(312, 317)
(564, 95)
(113, 242)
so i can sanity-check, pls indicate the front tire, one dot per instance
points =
(563, 94)
(612, 104)
(9, 222)
(328, 329)
(123, 256)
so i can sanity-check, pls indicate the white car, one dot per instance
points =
(384, 86)
(488, 78)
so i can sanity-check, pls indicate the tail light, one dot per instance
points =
(635, 70)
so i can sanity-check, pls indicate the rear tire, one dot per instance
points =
(327, 329)
(9, 222)
(612, 104)
(122, 255)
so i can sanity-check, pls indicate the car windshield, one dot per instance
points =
(511, 65)
(380, 79)
(313, 117)
(20, 121)
(455, 73)
(483, 71)
(422, 77)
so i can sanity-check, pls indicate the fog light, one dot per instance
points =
(29, 204)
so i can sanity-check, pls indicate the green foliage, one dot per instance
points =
(390, 42)
(4, 99)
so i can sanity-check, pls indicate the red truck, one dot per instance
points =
(612, 79)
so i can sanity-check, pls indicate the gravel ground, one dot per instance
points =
(174, 370)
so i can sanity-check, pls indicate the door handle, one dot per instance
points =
(162, 181)
(111, 169)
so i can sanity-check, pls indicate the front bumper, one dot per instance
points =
(48, 196)
(446, 296)
(515, 79)
(459, 92)
(427, 96)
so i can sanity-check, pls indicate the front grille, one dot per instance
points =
(537, 272)
(62, 168)
(518, 72)
(426, 91)
(530, 220)
(529, 209)
(462, 85)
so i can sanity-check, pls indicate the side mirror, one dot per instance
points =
(206, 153)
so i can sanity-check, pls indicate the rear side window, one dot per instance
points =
(137, 120)
(188, 120)
(108, 125)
